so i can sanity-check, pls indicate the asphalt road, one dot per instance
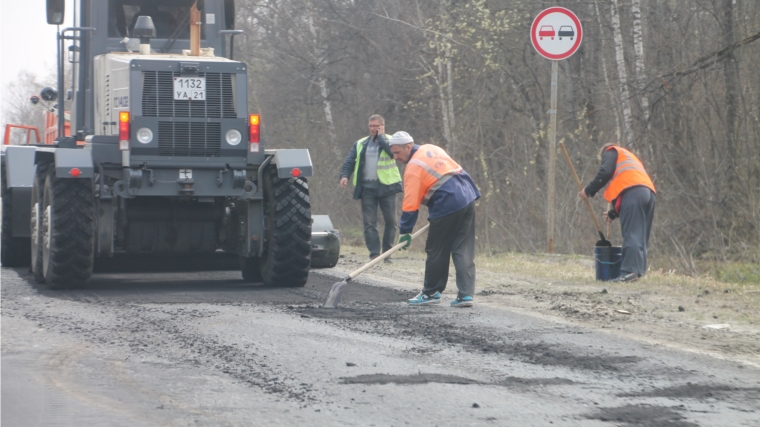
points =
(205, 349)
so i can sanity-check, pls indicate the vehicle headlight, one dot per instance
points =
(234, 137)
(144, 135)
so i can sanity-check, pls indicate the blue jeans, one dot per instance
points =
(370, 202)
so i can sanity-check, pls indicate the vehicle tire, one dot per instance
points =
(251, 269)
(14, 251)
(287, 235)
(35, 221)
(68, 232)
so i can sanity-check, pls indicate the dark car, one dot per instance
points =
(566, 31)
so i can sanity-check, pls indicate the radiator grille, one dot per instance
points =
(158, 97)
(189, 139)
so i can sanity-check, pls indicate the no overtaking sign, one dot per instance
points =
(556, 33)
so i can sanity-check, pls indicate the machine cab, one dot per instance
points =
(171, 19)
(110, 26)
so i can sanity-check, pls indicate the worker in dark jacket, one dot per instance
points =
(376, 180)
(632, 195)
(434, 179)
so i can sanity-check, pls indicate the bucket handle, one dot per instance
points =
(608, 263)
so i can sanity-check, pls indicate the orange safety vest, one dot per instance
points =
(427, 171)
(629, 172)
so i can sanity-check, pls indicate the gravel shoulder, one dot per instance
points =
(691, 314)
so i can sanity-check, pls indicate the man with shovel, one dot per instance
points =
(632, 195)
(376, 180)
(433, 179)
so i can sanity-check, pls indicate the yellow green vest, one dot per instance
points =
(387, 171)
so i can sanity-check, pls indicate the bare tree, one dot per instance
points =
(622, 75)
(641, 76)
(18, 109)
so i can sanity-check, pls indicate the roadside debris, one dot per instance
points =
(717, 326)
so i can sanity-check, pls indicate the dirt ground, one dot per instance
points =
(693, 314)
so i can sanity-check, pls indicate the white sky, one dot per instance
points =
(27, 42)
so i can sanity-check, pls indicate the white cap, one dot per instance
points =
(400, 138)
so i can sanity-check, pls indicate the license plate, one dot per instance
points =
(190, 88)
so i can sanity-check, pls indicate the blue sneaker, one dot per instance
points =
(462, 302)
(423, 299)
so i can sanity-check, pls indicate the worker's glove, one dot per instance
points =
(405, 238)
(612, 214)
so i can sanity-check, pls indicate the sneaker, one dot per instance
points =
(465, 301)
(630, 277)
(388, 261)
(423, 299)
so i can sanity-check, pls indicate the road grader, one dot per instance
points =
(159, 155)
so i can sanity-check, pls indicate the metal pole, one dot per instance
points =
(61, 99)
(552, 158)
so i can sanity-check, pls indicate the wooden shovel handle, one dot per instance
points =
(580, 188)
(386, 254)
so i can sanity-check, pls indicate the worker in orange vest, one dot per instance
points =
(632, 195)
(433, 179)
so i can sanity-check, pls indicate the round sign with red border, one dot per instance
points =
(556, 33)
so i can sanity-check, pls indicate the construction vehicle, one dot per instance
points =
(163, 156)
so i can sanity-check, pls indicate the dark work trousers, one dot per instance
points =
(636, 215)
(387, 204)
(451, 236)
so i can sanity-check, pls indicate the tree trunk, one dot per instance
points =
(450, 95)
(607, 84)
(328, 117)
(641, 75)
(444, 106)
(622, 76)
(317, 56)
(732, 91)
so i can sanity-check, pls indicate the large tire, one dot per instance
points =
(35, 221)
(68, 243)
(14, 251)
(287, 241)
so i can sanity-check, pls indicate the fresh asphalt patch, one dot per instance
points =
(515, 382)
(701, 392)
(642, 415)
(381, 379)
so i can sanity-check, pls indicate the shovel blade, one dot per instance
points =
(333, 298)
(604, 243)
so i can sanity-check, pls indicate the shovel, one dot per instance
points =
(333, 298)
(603, 242)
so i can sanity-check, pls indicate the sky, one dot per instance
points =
(27, 42)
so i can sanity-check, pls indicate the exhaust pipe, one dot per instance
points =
(195, 29)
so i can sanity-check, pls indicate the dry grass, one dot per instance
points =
(704, 297)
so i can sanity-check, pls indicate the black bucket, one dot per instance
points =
(608, 260)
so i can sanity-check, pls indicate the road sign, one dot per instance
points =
(556, 33)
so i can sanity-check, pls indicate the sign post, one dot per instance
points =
(556, 34)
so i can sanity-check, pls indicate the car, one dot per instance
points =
(566, 31)
(546, 31)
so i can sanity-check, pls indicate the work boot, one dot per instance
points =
(628, 277)
(423, 299)
(388, 261)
